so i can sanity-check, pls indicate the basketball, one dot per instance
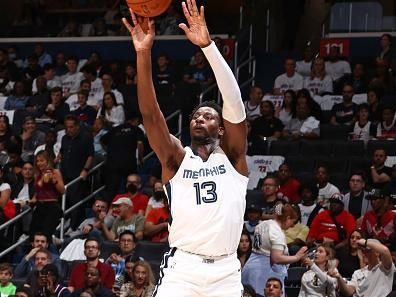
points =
(149, 8)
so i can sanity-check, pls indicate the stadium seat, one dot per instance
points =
(388, 145)
(348, 148)
(331, 132)
(333, 164)
(294, 275)
(257, 147)
(253, 197)
(340, 180)
(151, 251)
(312, 148)
(305, 176)
(359, 164)
(284, 148)
(109, 247)
(299, 163)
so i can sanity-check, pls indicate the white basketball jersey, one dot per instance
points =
(207, 204)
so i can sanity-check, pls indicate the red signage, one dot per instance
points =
(341, 43)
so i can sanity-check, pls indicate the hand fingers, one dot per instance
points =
(151, 26)
(133, 16)
(127, 25)
(186, 12)
(184, 27)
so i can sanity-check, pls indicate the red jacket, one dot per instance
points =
(323, 225)
(383, 230)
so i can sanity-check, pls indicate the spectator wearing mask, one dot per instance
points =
(139, 199)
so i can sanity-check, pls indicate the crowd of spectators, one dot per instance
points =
(69, 114)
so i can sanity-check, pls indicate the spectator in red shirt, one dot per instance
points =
(91, 251)
(380, 222)
(156, 225)
(139, 199)
(333, 225)
(289, 186)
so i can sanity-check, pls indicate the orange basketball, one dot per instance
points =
(149, 8)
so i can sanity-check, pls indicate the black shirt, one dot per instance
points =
(390, 190)
(355, 205)
(348, 263)
(86, 115)
(266, 127)
(75, 152)
(121, 143)
(373, 185)
(344, 114)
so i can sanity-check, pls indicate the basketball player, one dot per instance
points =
(205, 183)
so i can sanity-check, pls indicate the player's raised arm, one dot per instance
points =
(234, 140)
(166, 146)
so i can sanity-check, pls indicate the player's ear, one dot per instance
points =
(221, 131)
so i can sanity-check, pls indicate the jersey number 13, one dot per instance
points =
(210, 188)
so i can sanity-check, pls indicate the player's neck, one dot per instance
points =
(204, 150)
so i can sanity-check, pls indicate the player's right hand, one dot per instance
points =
(142, 31)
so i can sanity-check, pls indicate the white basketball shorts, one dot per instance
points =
(188, 275)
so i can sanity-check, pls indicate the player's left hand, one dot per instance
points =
(196, 31)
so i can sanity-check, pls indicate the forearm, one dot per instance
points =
(108, 233)
(145, 87)
(88, 163)
(322, 275)
(150, 229)
(21, 270)
(284, 259)
(345, 289)
(233, 109)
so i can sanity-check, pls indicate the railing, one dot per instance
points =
(67, 186)
(179, 129)
(15, 219)
(209, 89)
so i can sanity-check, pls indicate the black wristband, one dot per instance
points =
(365, 244)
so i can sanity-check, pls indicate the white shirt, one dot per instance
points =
(252, 112)
(284, 82)
(306, 212)
(304, 68)
(207, 204)
(154, 203)
(326, 192)
(268, 235)
(362, 133)
(376, 282)
(96, 88)
(116, 115)
(317, 86)
(337, 69)
(317, 283)
(23, 194)
(4, 186)
(285, 116)
(71, 82)
(98, 99)
(56, 82)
